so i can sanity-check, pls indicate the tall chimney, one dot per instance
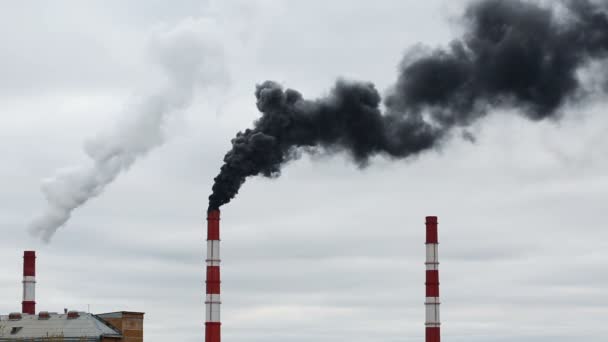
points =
(432, 322)
(212, 301)
(28, 306)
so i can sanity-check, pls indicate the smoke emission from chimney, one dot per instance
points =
(190, 55)
(513, 54)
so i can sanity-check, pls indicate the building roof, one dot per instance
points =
(119, 314)
(32, 326)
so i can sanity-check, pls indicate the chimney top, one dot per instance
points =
(213, 214)
(28, 305)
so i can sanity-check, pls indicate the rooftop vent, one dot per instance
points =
(73, 314)
(15, 330)
(44, 315)
(14, 316)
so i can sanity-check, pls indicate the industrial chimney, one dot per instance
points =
(432, 322)
(28, 305)
(212, 300)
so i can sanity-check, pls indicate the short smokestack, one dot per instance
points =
(432, 322)
(212, 300)
(28, 305)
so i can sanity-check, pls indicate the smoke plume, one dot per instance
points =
(190, 54)
(513, 54)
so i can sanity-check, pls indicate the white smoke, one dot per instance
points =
(191, 55)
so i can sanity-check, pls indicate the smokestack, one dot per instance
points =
(432, 322)
(28, 306)
(212, 300)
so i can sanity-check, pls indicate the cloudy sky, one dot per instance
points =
(327, 252)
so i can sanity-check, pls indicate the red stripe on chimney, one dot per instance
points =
(213, 279)
(29, 263)
(432, 283)
(213, 225)
(213, 332)
(28, 307)
(433, 334)
(431, 229)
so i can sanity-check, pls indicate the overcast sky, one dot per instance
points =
(327, 252)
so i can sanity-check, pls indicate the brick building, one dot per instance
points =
(130, 324)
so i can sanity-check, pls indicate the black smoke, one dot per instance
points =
(513, 54)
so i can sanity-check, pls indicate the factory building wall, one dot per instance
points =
(130, 324)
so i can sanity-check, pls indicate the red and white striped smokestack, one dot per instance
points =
(28, 305)
(212, 300)
(432, 322)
